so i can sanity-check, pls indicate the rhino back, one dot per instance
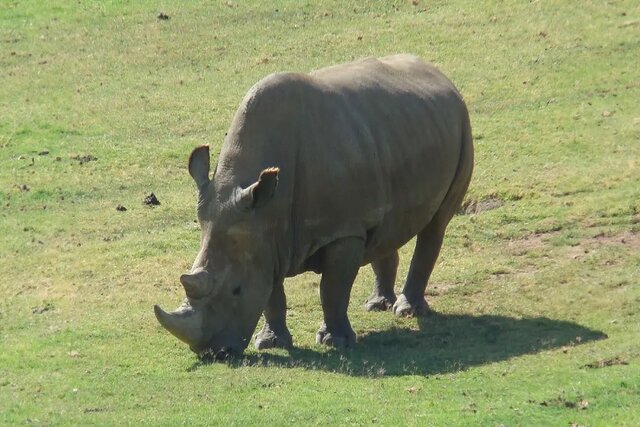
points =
(365, 149)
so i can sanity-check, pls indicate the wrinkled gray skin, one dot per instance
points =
(324, 172)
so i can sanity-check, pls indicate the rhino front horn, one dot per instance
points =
(184, 323)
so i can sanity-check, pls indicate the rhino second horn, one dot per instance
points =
(184, 324)
(195, 285)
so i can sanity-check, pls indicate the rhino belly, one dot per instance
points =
(400, 225)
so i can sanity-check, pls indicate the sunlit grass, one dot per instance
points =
(536, 281)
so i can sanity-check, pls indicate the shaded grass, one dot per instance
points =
(442, 344)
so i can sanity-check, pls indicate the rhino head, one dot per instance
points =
(232, 277)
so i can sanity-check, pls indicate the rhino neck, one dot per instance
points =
(268, 130)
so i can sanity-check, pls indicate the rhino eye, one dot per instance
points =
(236, 291)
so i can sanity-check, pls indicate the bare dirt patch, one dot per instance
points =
(628, 239)
(540, 241)
(539, 245)
(535, 241)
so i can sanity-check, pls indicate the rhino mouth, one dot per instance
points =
(222, 355)
(185, 323)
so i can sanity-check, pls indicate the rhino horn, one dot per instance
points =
(196, 285)
(184, 323)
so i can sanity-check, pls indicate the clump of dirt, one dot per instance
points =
(84, 159)
(151, 200)
(472, 206)
(42, 308)
(560, 402)
(121, 208)
(606, 362)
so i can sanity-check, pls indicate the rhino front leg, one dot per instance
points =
(383, 297)
(274, 333)
(340, 263)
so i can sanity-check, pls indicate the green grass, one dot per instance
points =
(526, 295)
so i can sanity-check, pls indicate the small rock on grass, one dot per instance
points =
(151, 200)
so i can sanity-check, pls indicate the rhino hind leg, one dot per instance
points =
(385, 269)
(411, 301)
(274, 333)
(340, 264)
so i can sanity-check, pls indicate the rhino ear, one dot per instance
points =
(199, 165)
(260, 192)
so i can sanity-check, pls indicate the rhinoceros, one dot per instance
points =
(324, 172)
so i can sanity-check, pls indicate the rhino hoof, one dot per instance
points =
(337, 340)
(404, 308)
(379, 303)
(269, 339)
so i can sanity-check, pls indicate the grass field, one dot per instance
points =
(536, 294)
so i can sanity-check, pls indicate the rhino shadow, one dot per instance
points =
(443, 343)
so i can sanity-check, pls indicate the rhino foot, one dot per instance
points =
(405, 308)
(379, 302)
(267, 338)
(341, 339)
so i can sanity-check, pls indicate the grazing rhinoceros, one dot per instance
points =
(324, 172)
